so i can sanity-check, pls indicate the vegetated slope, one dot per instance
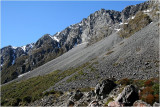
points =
(18, 60)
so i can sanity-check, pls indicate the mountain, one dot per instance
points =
(122, 46)
(101, 24)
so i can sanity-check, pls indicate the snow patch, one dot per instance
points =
(80, 24)
(24, 48)
(58, 33)
(147, 11)
(55, 38)
(121, 23)
(14, 47)
(132, 17)
(117, 29)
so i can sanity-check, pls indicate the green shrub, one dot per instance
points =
(155, 87)
(27, 99)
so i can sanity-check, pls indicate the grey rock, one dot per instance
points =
(94, 104)
(70, 103)
(139, 103)
(104, 88)
(156, 104)
(128, 96)
(76, 95)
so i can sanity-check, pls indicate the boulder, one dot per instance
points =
(70, 103)
(76, 95)
(128, 96)
(90, 94)
(140, 103)
(115, 104)
(94, 104)
(156, 104)
(104, 88)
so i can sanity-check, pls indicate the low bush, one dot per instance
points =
(150, 92)
(125, 81)
(27, 99)
(148, 83)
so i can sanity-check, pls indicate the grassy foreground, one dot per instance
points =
(21, 93)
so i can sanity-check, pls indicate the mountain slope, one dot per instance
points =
(134, 57)
(128, 53)
(97, 26)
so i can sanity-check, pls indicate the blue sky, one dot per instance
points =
(24, 22)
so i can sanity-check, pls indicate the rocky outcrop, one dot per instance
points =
(104, 88)
(128, 96)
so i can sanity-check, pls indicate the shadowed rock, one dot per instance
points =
(104, 88)
(128, 96)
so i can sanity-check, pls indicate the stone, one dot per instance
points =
(77, 95)
(70, 103)
(104, 88)
(91, 94)
(140, 103)
(94, 104)
(156, 104)
(128, 96)
(115, 104)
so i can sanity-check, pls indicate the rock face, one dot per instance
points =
(104, 88)
(128, 96)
